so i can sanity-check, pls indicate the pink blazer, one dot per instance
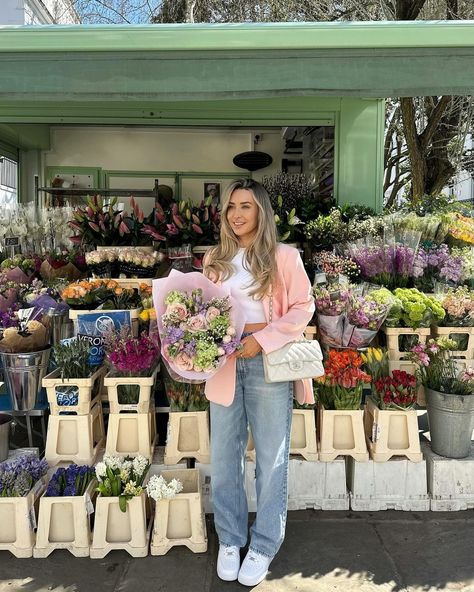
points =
(293, 307)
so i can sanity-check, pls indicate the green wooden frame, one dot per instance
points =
(95, 172)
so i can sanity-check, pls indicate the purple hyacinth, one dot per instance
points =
(174, 334)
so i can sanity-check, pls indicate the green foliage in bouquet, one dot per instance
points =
(73, 359)
(287, 222)
(26, 264)
(121, 477)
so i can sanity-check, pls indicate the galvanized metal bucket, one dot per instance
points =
(451, 420)
(58, 324)
(6, 423)
(23, 376)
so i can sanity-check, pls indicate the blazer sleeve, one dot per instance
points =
(292, 324)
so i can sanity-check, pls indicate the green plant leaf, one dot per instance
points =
(123, 503)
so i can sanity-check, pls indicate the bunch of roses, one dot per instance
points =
(333, 265)
(396, 391)
(197, 332)
(459, 307)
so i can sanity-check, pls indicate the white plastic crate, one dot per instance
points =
(317, 485)
(158, 462)
(450, 480)
(398, 484)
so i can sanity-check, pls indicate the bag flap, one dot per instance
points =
(302, 351)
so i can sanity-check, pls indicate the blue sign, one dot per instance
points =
(95, 325)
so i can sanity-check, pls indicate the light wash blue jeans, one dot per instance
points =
(267, 409)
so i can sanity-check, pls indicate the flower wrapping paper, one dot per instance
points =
(186, 282)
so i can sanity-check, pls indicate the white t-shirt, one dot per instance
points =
(240, 283)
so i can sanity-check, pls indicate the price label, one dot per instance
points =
(375, 432)
(12, 241)
(32, 518)
(320, 278)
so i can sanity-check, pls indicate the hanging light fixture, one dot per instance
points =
(253, 160)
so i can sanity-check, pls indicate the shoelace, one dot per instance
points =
(229, 551)
(254, 557)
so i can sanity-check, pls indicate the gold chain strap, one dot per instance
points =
(271, 305)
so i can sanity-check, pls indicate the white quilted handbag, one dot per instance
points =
(298, 359)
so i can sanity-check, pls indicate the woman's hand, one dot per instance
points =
(250, 348)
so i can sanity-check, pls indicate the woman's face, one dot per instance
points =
(242, 215)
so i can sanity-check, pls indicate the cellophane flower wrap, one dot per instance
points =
(331, 302)
(458, 305)
(343, 381)
(364, 317)
(18, 476)
(198, 324)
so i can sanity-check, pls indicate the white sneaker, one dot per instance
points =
(228, 563)
(254, 568)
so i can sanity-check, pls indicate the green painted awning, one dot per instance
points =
(67, 68)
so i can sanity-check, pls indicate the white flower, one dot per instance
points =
(230, 331)
(140, 465)
(157, 488)
(226, 339)
(101, 470)
(220, 351)
(113, 462)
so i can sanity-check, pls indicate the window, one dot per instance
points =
(8, 181)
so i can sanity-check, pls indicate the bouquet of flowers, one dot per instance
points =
(43, 296)
(102, 263)
(198, 325)
(466, 254)
(458, 305)
(25, 333)
(64, 264)
(85, 294)
(130, 356)
(121, 477)
(435, 263)
(437, 368)
(343, 381)
(19, 269)
(364, 317)
(158, 488)
(136, 263)
(333, 266)
(397, 391)
(8, 293)
(331, 302)
(184, 396)
(72, 480)
(376, 362)
(414, 309)
(18, 476)
(460, 229)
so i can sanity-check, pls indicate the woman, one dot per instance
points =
(261, 274)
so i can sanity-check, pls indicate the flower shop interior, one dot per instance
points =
(117, 141)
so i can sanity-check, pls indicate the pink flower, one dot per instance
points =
(197, 323)
(212, 313)
(183, 362)
(424, 359)
(177, 309)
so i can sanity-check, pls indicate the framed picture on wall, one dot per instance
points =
(212, 190)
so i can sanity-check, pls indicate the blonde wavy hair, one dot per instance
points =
(260, 256)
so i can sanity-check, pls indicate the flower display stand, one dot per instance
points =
(341, 432)
(398, 484)
(467, 353)
(303, 436)
(64, 523)
(391, 432)
(75, 438)
(87, 391)
(187, 437)
(134, 316)
(180, 520)
(18, 521)
(393, 340)
(114, 529)
(130, 434)
(145, 383)
(409, 368)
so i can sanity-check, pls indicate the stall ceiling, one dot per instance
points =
(87, 73)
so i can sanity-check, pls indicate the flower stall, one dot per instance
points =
(119, 325)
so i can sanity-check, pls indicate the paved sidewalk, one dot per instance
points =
(323, 552)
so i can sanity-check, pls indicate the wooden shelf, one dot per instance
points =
(81, 192)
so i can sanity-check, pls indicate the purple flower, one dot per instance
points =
(174, 334)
